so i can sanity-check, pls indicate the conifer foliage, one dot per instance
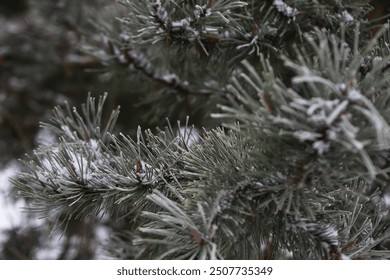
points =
(289, 155)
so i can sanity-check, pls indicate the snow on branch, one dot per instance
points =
(287, 10)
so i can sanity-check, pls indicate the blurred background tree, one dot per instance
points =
(42, 64)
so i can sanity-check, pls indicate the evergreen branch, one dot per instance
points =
(69, 175)
(73, 126)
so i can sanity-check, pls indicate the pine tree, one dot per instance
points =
(285, 151)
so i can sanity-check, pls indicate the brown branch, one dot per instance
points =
(128, 58)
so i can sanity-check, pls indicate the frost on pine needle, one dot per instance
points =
(328, 234)
(170, 78)
(67, 163)
(282, 7)
(180, 25)
(68, 133)
(345, 16)
(201, 11)
(320, 115)
(159, 11)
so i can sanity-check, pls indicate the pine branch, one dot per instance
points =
(75, 175)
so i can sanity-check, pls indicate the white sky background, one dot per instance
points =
(11, 213)
(10, 209)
